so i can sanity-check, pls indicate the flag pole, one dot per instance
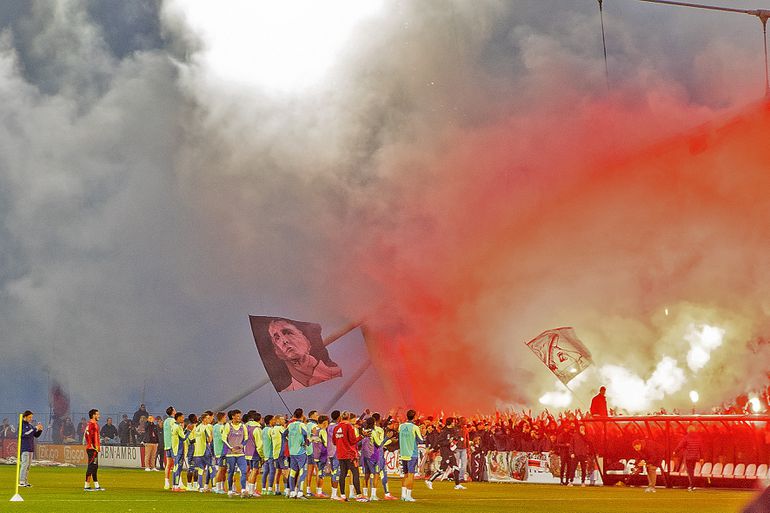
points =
(17, 497)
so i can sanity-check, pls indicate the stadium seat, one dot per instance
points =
(697, 470)
(740, 471)
(762, 471)
(674, 471)
(751, 471)
(705, 470)
(727, 472)
(716, 471)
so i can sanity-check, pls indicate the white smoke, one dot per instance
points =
(149, 206)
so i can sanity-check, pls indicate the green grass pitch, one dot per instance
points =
(60, 489)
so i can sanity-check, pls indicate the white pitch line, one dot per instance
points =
(485, 499)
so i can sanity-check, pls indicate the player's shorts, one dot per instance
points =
(298, 461)
(369, 466)
(200, 462)
(320, 464)
(254, 462)
(281, 463)
(169, 453)
(409, 466)
(334, 465)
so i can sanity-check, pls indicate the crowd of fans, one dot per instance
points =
(574, 435)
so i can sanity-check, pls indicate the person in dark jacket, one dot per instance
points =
(648, 455)
(564, 448)
(138, 414)
(109, 432)
(28, 435)
(691, 449)
(125, 431)
(582, 453)
(68, 432)
(446, 441)
(599, 404)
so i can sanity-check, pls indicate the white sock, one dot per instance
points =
(166, 481)
(308, 490)
(334, 493)
(352, 490)
(86, 485)
(408, 493)
(318, 491)
(96, 484)
(374, 493)
(366, 492)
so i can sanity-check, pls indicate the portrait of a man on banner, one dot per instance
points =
(293, 352)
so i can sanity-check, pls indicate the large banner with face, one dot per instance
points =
(293, 352)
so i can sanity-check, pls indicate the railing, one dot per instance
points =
(728, 440)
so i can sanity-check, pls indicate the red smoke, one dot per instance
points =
(539, 223)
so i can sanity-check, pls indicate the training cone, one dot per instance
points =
(16, 498)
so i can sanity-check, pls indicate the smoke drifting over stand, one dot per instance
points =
(459, 176)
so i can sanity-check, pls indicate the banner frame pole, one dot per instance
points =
(17, 497)
(347, 386)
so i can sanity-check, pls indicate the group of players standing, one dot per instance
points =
(284, 456)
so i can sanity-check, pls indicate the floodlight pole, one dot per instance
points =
(604, 45)
(762, 14)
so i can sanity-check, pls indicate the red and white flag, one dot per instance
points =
(562, 352)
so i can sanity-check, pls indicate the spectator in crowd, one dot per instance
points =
(109, 432)
(599, 403)
(68, 431)
(7, 431)
(82, 427)
(461, 451)
(582, 454)
(691, 449)
(125, 431)
(648, 456)
(56, 424)
(161, 463)
(139, 427)
(28, 435)
(138, 414)
(564, 447)
(150, 438)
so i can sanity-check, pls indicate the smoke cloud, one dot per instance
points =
(461, 177)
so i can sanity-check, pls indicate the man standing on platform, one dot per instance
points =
(93, 446)
(599, 404)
